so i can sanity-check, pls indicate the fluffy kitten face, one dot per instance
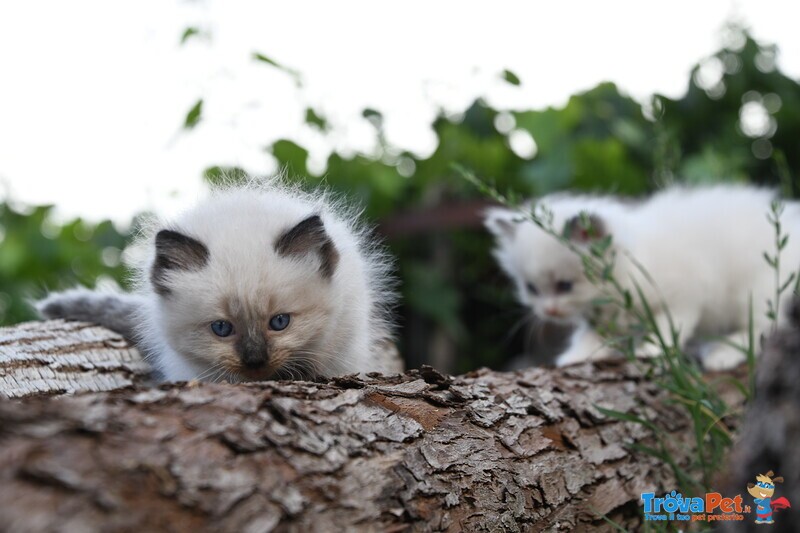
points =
(549, 277)
(252, 312)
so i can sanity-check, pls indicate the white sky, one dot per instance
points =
(93, 92)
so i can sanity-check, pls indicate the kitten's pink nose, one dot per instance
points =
(552, 310)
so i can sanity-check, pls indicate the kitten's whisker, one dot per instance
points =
(326, 362)
(219, 376)
(519, 323)
(209, 371)
(305, 364)
(204, 375)
(535, 335)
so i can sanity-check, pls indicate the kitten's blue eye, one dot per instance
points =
(532, 288)
(563, 286)
(221, 328)
(279, 322)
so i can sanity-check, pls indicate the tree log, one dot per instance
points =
(527, 450)
(58, 357)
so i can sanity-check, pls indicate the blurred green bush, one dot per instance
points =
(38, 254)
(738, 121)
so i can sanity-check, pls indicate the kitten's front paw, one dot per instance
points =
(723, 357)
(568, 358)
(573, 357)
(53, 306)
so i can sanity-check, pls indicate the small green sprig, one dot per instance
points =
(774, 261)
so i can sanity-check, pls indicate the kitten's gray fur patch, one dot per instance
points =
(307, 236)
(113, 311)
(175, 251)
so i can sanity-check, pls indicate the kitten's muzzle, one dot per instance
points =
(555, 312)
(255, 362)
(253, 350)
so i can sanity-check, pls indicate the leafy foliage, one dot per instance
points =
(37, 254)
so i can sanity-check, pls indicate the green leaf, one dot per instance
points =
(188, 33)
(315, 119)
(786, 284)
(194, 115)
(271, 62)
(511, 78)
(626, 417)
(264, 59)
(374, 116)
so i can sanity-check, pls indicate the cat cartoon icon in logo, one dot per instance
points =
(762, 492)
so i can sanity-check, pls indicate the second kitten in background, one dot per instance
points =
(702, 247)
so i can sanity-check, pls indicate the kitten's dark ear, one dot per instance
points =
(584, 228)
(175, 251)
(501, 223)
(309, 236)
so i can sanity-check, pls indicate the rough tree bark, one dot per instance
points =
(416, 452)
(57, 357)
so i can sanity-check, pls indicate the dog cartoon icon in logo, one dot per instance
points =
(762, 492)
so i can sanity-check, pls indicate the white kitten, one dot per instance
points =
(258, 281)
(702, 247)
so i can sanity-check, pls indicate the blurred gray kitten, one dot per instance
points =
(702, 248)
(259, 281)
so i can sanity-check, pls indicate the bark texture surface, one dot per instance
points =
(57, 357)
(488, 451)
(416, 452)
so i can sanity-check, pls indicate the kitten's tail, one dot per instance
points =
(115, 311)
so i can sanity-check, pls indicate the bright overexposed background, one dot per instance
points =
(93, 93)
